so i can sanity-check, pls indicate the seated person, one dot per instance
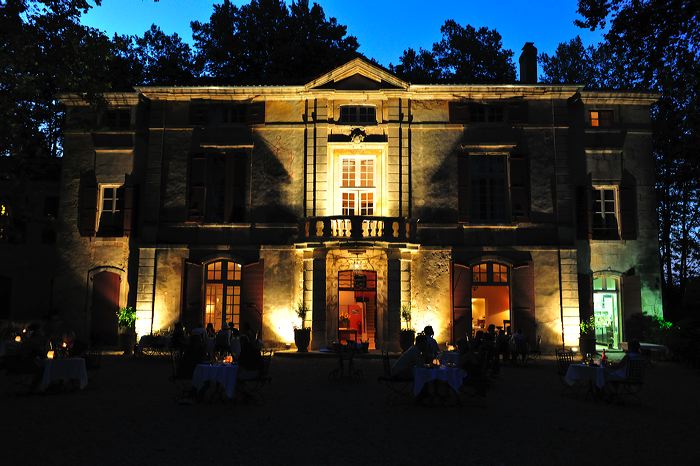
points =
(433, 348)
(250, 360)
(619, 371)
(193, 354)
(235, 344)
(178, 341)
(403, 367)
(223, 340)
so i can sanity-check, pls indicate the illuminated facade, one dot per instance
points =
(524, 205)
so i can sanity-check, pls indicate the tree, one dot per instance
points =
(418, 67)
(166, 60)
(572, 63)
(463, 55)
(266, 42)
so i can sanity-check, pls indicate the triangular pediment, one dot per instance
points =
(357, 74)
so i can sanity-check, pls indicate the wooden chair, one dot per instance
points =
(632, 384)
(251, 389)
(400, 388)
(564, 359)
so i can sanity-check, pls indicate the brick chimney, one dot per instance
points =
(528, 64)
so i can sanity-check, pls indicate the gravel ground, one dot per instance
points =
(128, 415)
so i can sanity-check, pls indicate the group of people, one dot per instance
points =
(204, 344)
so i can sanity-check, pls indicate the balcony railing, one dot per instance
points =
(358, 228)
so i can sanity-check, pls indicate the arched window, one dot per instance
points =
(490, 273)
(223, 293)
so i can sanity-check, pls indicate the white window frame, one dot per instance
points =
(100, 205)
(357, 190)
(616, 192)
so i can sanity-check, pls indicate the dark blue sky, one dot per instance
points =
(383, 28)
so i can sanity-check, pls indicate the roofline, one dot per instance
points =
(413, 91)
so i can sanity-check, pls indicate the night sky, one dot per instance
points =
(383, 28)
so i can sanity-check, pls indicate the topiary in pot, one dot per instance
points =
(587, 338)
(126, 317)
(302, 334)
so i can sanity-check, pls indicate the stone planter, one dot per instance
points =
(406, 339)
(302, 338)
(127, 341)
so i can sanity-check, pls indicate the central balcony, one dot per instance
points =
(359, 228)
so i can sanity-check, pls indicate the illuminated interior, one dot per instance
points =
(223, 294)
(606, 309)
(357, 306)
(490, 296)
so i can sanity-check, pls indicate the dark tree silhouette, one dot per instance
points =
(463, 55)
(266, 42)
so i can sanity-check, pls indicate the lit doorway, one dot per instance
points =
(357, 306)
(490, 296)
(606, 309)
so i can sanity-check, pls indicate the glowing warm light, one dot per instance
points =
(64, 345)
(450, 347)
(228, 359)
(49, 354)
(436, 362)
(282, 321)
(18, 339)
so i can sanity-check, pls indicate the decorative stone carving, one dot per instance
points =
(358, 135)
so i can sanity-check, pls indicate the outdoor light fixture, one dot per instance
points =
(49, 354)
(18, 339)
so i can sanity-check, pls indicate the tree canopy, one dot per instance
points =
(463, 55)
(266, 42)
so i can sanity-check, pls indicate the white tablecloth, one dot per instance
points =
(582, 372)
(63, 370)
(224, 374)
(452, 375)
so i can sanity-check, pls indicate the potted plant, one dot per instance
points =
(302, 334)
(407, 335)
(587, 338)
(126, 317)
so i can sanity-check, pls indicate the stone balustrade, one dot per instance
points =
(358, 228)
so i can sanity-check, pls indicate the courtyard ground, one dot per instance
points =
(128, 415)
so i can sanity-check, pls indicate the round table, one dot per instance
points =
(224, 374)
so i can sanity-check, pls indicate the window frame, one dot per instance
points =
(358, 121)
(608, 122)
(116, 230)
(466, 112)
(604, 233)
(119, 123)
(490, 273)
(504, 159)
(228, 285)
(358, 191)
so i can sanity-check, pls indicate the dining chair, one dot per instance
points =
(564, 359)
(400, 388)
(632, 384)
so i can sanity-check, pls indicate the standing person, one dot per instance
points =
(489, 345)
(432, 346)
(502, 342)
(520, 346)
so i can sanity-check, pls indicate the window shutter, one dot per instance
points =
(193, 312)
(87, 209)
(463, 187)
(239, 189)
(520, 187)
(198, 113)
(252, 294)
(523, 304)
(128, 209)
(255, 113)
(461, 302)
(197, 190)
(583, 212)
(628, 207)
(517, 112)
(631, 305)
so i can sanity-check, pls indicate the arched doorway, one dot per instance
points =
(490, 297)
(606, 309)
(106, 287)
(357, 306)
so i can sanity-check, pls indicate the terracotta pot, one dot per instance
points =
(302, 338)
